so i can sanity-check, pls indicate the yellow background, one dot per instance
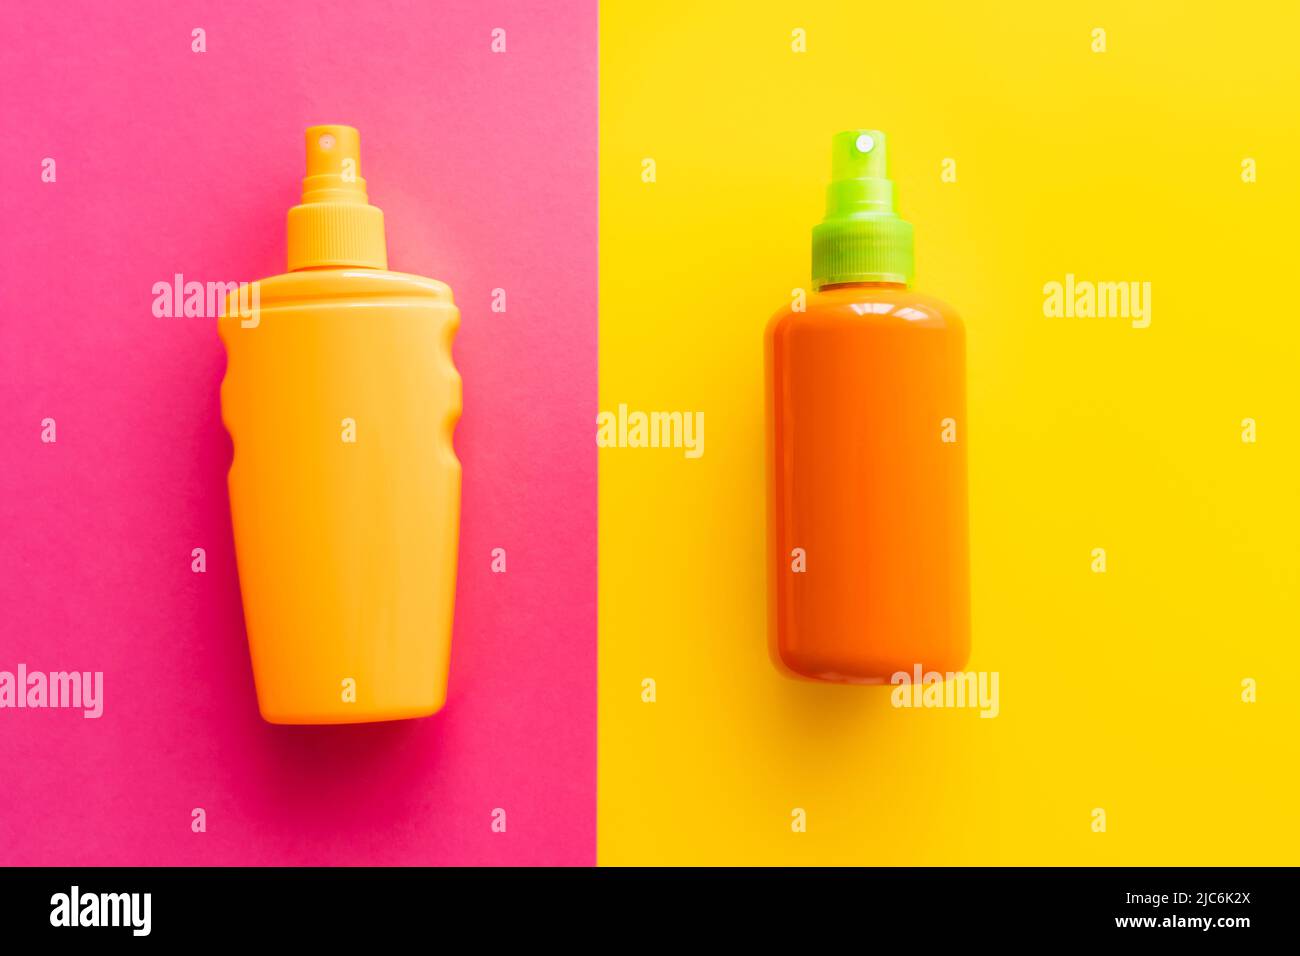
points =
(1118, 690)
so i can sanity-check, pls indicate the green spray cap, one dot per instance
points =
(861, 239)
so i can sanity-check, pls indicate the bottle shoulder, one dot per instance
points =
(311, 290)
(865, 306)
(309, 284)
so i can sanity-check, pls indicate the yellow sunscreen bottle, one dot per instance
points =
(340, 397)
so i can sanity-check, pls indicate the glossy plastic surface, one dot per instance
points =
(346, 548)
(863, 388)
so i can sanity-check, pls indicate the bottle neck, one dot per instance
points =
(830, 286)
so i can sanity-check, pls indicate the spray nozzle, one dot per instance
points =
(858, 153)
(333, 166)
(861, 239)
(859, 174)
(335, 225)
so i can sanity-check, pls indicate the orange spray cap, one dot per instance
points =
(335, 226)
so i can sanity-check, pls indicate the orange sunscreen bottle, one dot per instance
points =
(340, 397)
(866, 403)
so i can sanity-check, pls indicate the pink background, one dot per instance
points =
(171, 161)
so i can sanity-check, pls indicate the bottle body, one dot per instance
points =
(340, 397)
(867, 515)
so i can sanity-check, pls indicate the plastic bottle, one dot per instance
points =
(867, 522)
(340, 397)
